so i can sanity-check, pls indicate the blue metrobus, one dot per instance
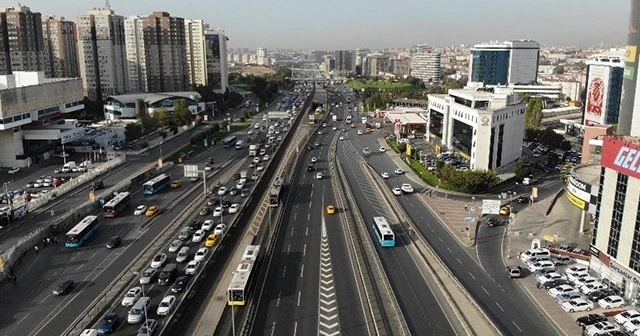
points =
(82, 231)
(156, 184)
(383, 231)
(229, 141)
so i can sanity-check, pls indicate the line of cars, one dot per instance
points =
(624, 323)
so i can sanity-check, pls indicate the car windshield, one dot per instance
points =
(164, 304)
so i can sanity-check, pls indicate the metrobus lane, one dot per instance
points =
(29, 305)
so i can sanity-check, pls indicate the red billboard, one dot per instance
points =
(622, 154)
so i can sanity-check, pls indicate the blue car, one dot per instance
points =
(109, 323)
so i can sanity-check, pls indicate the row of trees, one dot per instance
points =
(265, 87)
(381, 98)
(161, 118)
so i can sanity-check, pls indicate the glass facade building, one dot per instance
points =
(490, 66)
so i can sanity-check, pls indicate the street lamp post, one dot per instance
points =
(160, 153)
(9, 200)
(233, 318)
(145, 306)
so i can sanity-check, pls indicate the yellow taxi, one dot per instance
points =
(175, 184)
(212, 240)
(331, 209)
(152, 211)
(505, 211)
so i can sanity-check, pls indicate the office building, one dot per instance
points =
(502, 63)
(21, 43)
(196, 53)
(400, 66)
(129, 105)
(345, 61)
(376, 64)
(426, 66)
(33, 126)
(629, 118)
(217, 67)
(101, 53)
(604, 88)
(262, 58)
(485, 126)
(61, 48)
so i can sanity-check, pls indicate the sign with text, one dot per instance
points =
(491, 207)
(191, 171)
(576, 200)
(621, 155)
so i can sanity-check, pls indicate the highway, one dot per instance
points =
(303, 297)
(504, 302)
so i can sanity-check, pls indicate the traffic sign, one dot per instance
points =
(191, 171)
(470, 219)
(490, 207)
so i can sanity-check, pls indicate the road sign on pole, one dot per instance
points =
(191, 171)
(490, 207)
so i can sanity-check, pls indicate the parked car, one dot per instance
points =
(597, 295)
(613, 301)
(568, 297)
(626, 315)
(590, 319)
(562, 289)
(577, 305)
(600, 328)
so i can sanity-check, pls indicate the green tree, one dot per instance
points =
(523, 169)
(451, 83)
(534, 113)
(133, 131)
(162, 117)
(402, 147)
(181, 112)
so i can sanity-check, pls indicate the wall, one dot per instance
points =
(36, 97)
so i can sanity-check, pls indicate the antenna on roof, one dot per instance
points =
(108, 4)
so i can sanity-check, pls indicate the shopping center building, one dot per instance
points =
(32, 124)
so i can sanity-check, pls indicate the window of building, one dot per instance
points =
(616, 216)
(634, 260)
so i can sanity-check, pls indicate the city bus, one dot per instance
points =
(156, 184)
(116, 204)
(229, 141)
(82, 231)
(241, 280)
(275, 192)
(383, 232)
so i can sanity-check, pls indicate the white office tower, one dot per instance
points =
(262, 56)
(503, 63)
(426, 66)
(136, 53)
(196, 54)
(102, 56)
(217, 68)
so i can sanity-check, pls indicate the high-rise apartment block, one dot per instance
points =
(136, 54)
(196, 52)
(21, 43)
(102, 56)
(216, 52)
(604, 88)
(345, 61)
(503, 63)
(262, 58)
(376, 64)
(426, 66)
(61, 48)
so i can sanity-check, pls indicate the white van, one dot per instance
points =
(136, 313)
(535, 253)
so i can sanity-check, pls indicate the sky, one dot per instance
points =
(377, 24)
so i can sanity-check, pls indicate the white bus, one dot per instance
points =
(241, 280)
(383, 231)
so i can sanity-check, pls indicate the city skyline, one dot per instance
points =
(575, 22)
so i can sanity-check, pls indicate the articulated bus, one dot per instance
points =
(156, 184)
(82, 231)
(275, 192)
(229, 141)
(383, 232)
(241, 281)
(116, 204)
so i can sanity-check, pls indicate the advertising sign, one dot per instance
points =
(577, 201)
(580, 189)
(621, 155)
(597, 91)
(191, 171)
(490, 207)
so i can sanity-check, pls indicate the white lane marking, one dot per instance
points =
(514, 323)
(449, 250)
(308, 217)
(302, 271)
(295, 328)
(298, 298)
(288, 249)
(79, 267)
(310, 203)
(472, 276)
(311, 194)
(306, 231)
(480, 287)
(22, 319)
(295, 215)
(93, 255)
(433, 231)
(304, 250)
(284, 271)
(273, 328)
(293, 227)
(459, 261)
(441, 240)
(46, 297)
(499, 307)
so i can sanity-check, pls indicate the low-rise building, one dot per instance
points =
(128, 106)
(32, 107)
(485, 125)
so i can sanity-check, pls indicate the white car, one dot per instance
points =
(166, 305)
(398, 171)
(319, 132)
(385, 175)
(159, 260)
(575, 276)
(359, 132)
(562, 289)
(613, 301)
(14, 170)
(319, 176)
(183, 254)
(148, 276)
(544, 278)
(140, 210)
(207, 225)
(627, 315)
(562, 298)
(541, 265)
(202, 253)
(334, 128)
(192, 267)
(592, 287)
(175, 245)
(222, 191)
(577, 305)
(341, 138)
(198, 236)
(234, 208)
(585, 281)
(240, 185)
(406, 188)
(260, 167)
(314, 159)
(266, 157)
(217, 212)
(132, 296)
(396, 191)
(632, 325)
(256, 159)
(220, 229)
(600, 328)
(263, 151)
(382, 149)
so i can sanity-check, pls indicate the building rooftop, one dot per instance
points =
(150, 97)
(406, 118)
(589, 174)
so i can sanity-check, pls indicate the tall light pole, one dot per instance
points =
(144, 307)
(233, 318)
(160, 160)
(9, 200)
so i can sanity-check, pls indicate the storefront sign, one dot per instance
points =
(621, 155)
(625, 273)
(579, 184)
(580, 193)
(576, 201)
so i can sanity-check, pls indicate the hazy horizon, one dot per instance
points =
(375, 24)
